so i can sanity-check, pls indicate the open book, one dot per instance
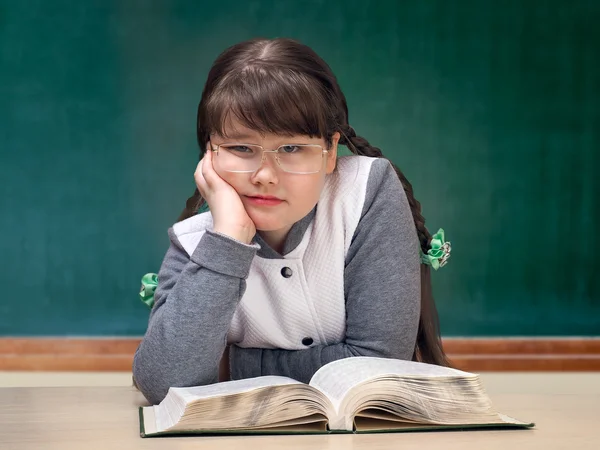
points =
(360, 394)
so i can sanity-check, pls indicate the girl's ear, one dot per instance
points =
(332, 153)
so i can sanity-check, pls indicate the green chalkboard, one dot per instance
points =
(492, 109)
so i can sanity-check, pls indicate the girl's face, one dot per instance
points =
(275, 199)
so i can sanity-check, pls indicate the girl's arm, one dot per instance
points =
(382, 290)
(195, 301)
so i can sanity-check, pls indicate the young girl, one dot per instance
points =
(303, 258)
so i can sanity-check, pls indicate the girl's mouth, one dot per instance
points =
(264, 200)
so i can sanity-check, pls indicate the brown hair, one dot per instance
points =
(282, 86)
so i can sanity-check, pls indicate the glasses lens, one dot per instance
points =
(293, 158)
(300, 158)
(239, 157)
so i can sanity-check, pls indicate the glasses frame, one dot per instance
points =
(215, 149)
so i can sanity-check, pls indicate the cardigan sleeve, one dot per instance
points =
(196, 298)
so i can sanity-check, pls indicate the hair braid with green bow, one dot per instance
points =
(361, 146)
(429, 346)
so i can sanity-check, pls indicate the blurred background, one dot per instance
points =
(491, 109)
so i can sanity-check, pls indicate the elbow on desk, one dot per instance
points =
(153, 379)
(150, 383)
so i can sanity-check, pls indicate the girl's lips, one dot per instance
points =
(264, 201)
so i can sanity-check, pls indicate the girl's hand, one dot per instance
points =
(228, 212)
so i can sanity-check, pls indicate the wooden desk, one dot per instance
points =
(565, 407)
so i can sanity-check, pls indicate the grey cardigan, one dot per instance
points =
(197, 296)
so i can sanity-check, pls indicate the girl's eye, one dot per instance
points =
(290, 148)
(240, 149)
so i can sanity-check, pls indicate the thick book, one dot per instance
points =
(352, 395)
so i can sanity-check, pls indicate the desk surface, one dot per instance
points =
(565, 408)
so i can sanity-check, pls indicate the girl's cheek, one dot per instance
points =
(236, 180)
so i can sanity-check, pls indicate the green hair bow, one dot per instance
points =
(149, 284)
(437, 256)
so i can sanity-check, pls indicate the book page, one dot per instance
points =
(309, 424)
(171, 409)
(338, 377)
(351, 381)
(230, 387)
(241, 404)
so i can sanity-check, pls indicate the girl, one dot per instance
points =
(304, 257)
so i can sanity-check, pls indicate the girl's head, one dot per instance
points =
(278, 87)
(277, 92)
(273, 93)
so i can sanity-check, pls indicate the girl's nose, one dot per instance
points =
(267, 172)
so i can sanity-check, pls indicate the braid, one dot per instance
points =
(360, 146)
(428, 347)
(415, 206)
(191, 206)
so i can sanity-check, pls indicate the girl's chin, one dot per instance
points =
(263, 224)
(268, 226)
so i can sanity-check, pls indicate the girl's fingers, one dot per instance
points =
(212, 178)
(207, 179)
(207, 168)
(199, 178)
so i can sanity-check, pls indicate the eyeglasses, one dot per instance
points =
(247, 158)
